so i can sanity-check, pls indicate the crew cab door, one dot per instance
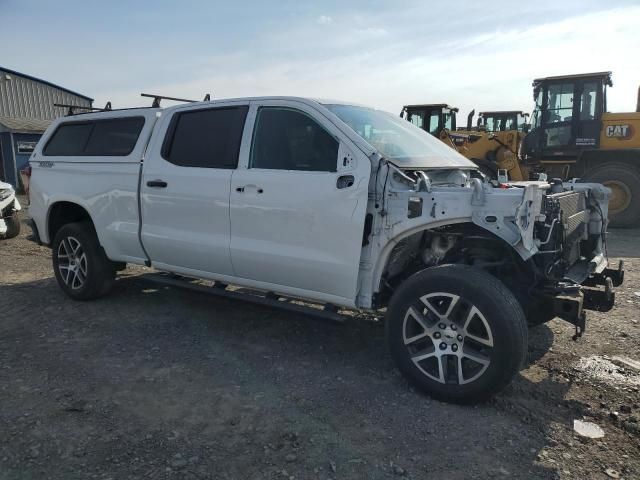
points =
(298, 204)
(185, 189)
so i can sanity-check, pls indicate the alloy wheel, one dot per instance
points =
(72, 263)
(447, 338)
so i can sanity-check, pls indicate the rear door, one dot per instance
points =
(185, 189)
(298, 204)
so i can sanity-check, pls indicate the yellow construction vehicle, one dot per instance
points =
(493, 143)
(573, 136)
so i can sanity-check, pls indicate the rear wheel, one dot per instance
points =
(80, 265)
(457, 333)
(624, 182)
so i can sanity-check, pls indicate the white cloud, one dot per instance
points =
(324, 20)
(489, 70)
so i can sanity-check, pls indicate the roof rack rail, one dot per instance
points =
(158, 98)
(71, 108)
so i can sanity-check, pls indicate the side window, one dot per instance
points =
(286, 139)
(116, 137)
(68, 139)
(207, 138)
(434, 122)
(560, 102)
(109, 137)
(417, 118)
(588, 101)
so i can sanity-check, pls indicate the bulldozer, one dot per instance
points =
(574, 136)
(493, 143)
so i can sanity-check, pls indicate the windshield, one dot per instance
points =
(399, 140)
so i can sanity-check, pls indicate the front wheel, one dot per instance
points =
(457, 333)
(81, 267)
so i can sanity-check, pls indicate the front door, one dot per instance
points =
(557, 120)
(298, 208)
(185, 190)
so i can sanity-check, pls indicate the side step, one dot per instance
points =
(268, 299)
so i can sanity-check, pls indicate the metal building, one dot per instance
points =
(26, 110)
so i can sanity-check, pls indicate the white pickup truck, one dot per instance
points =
(339, 204)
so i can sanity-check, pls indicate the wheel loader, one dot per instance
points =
(493, 143)
(574, 136)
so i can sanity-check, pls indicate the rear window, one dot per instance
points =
(112, 137)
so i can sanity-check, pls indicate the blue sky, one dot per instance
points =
(480, 55)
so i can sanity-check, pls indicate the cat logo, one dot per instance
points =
(621, 132)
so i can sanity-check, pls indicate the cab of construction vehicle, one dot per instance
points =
(503, 121)
(567, 114)
(432, 118)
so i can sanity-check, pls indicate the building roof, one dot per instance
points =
(13, 72)
(24, 125)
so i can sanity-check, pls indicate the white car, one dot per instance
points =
(334, 203)
(9, 208)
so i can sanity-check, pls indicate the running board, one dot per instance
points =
(267, 299)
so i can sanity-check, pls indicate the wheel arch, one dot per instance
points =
(62, 212)
(460, 224)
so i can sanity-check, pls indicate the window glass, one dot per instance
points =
(399, 140)
(448, 120)
(286, 139)
(490, 124)
(69, 139)
(434, 122)
(509, 123)
(114, 137)
(536, 117)
(560, 103)
(110, 137)
(206, 138)
(417, 118)
(588, 101)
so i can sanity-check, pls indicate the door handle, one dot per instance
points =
(345, 181)
(249, 188)
(157, 183)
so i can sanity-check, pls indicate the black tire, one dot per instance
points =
(13, 226)
(87, 274)
(626, 178)
(500, 316)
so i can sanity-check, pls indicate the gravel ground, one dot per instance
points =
(157, 382)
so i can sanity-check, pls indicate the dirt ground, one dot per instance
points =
(156, 382)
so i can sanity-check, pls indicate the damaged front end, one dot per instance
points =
(571, 243)
(546, 241)
(9, 208)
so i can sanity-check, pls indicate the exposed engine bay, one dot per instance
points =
(545, 240)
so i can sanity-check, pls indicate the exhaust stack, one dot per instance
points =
(638, 104)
